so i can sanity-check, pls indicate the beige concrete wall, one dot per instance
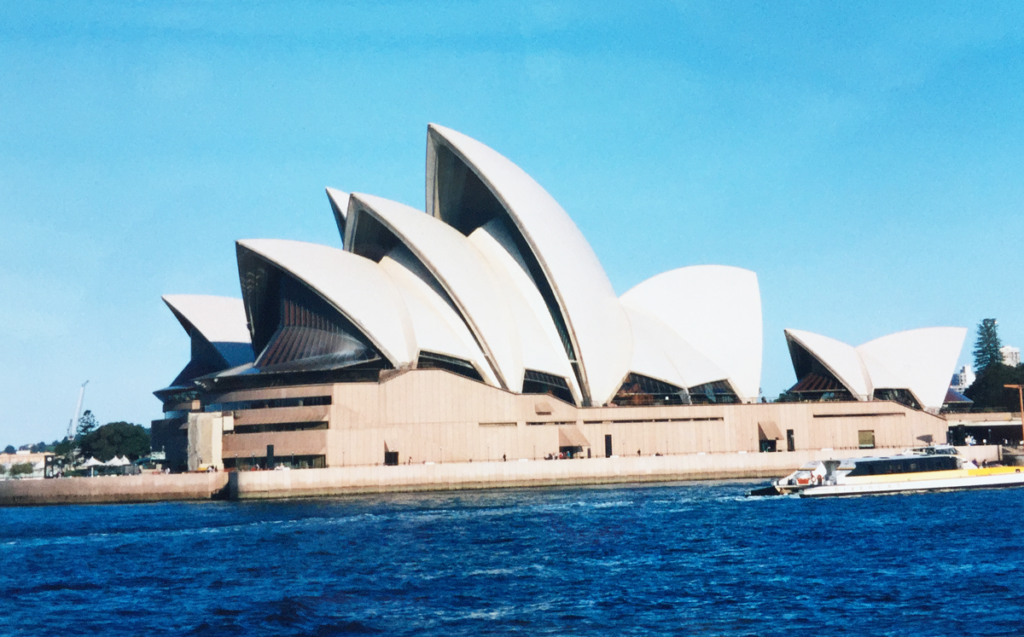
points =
(205, 440)
(113, 489)
(433, 416)
(282, 414)
(299, 443)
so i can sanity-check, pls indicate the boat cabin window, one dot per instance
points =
(914, 464)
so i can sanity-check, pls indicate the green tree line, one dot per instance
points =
(100, 442)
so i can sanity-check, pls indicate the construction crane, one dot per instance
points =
(78, 412)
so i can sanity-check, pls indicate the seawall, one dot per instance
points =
(537, 473)
(424, 477)
(114, 489)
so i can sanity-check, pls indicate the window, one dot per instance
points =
(270, 403)
(866, 439)
(535, 382)
(432, 360)
(277, 427)
(643, 390)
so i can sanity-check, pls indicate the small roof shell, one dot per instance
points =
(837, 357)
(218, 319)
(355, 286)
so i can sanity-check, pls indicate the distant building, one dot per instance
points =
(37, 460)
(1011, 355)
(962, 379)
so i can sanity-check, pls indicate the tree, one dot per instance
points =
(22, 469)
(86, 424)
(10, 449)
(986, 348)
(3, 469)
(116, 439)
(988, 391)
(64, 447)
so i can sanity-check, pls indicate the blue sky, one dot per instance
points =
(865, 159)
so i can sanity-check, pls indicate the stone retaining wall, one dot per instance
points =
(535, 473)
(113, 489)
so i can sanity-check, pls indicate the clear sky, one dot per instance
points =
(865, 159)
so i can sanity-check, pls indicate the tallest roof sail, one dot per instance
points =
(469, 185)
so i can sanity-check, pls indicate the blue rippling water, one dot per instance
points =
(678, 559)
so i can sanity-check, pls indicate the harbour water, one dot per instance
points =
(679, 559)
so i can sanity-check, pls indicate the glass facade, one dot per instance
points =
(638, 389)
(901, 396)
(270, 403)
(541, 383)
(716, 393)
(432, 360)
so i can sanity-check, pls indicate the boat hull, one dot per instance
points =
(994, 481)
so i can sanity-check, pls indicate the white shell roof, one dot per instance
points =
(838, 357)
(920, 360)
(219, 319)
(658, 352)
(339, 206)
(356, 286)
(437, 325)
(541, 347)
(596, 322)
(461, 270)
(715, 308)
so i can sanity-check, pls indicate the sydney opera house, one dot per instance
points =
(485, 328)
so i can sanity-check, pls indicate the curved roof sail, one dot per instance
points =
(660, 353)
(339, 206)
(438, 326)
(837, 357)
(216, 326)
(219, 320)
(468, 184)
(356, 287)
(541, 346)
(919, 360)
(715, 308)
(458, 267)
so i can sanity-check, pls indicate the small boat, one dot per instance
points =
(934, 468)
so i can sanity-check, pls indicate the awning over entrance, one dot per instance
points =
(571, 436)
(768, 430)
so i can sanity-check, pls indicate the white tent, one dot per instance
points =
(92, 462)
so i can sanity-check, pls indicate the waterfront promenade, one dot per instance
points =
(425, 477)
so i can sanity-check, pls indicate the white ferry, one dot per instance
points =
(936, 468)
